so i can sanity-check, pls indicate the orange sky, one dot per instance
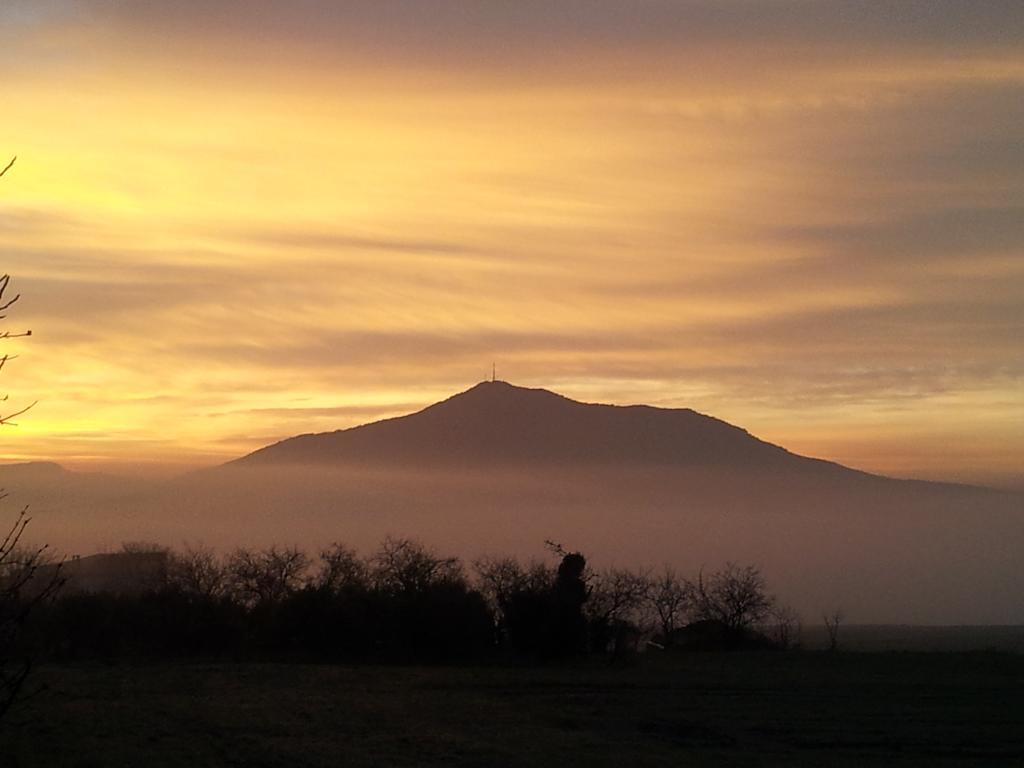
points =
(232, 222)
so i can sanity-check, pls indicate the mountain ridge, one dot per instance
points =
(495, 422)
(501, 469)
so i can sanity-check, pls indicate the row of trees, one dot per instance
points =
(734, 597)
(659, 603)
(403, 602)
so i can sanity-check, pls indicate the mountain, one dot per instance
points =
(73, 512)
(499, 469)
(32, 470)
(46, 479)
(497, 424)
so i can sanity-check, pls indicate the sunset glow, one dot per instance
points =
(231, 223)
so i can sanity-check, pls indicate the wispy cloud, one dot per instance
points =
(240, 219)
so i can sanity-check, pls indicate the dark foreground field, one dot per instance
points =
(699, 709)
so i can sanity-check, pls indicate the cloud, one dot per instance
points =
(306, 239)
(257, 218)
(742, 41)
(927, 236)
(605, 23)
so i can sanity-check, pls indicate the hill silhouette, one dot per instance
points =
(495, 423)
(499, 469)
(32, 469)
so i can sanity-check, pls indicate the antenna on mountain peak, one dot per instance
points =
(493, 370)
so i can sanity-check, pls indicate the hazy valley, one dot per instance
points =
(498, 469)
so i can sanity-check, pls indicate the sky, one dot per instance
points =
(231, 222)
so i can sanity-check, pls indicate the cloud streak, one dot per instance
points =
(793, 215)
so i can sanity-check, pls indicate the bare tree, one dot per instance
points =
(784, 626)
(737, 597)
(266, 576)
(6, 302)
(499, 578)
(197, 571)
(143, 548)
(341, 568)
(21, 588)
(614, 610)
(502, 580)
(404, 565)
(617, 594)
(670, 599)
(832, 621)
(28, 577)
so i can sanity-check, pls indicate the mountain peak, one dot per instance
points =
(493, 388)
(501, 393)
(497, 423)
(501, 388)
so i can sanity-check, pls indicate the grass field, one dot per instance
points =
(812, 709)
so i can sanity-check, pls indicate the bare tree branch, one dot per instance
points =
(6, 420)
(5, 281)
(23, 587)
(832, 621)
(8, 166)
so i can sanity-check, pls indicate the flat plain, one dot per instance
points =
(725, 709)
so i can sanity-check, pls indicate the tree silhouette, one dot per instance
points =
(341, 569)
(21, 589)
(614, 604)
(734, 596)
(670, 599)
(406, 566)
(833, 620)
(784, 626)
(6, 303)
(197, 572)
(546, 620)
(267, 576)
